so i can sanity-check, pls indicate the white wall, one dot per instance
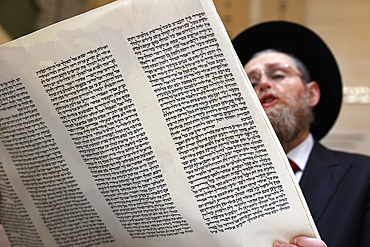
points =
(345, 27)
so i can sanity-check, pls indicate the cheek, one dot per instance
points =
(290, 95)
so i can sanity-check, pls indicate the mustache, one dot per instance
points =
(269, 91)
(272, 91)
(284, 98)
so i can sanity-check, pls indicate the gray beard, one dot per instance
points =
(289, 122)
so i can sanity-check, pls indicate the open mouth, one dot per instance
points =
(268, 100)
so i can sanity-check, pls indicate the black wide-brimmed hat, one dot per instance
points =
(312, 51)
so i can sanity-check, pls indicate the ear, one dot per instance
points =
(314, 92)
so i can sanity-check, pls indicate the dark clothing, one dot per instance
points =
(336, 186)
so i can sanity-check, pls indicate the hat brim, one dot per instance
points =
(312, 51)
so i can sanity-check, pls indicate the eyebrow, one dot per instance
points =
(268, 65)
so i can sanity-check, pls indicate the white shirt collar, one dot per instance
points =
(301, 153)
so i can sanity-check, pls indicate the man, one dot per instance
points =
(298, 83)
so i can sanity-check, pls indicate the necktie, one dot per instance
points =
(294, 166)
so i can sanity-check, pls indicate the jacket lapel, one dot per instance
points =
(321, 177)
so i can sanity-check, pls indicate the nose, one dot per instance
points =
(264, 83)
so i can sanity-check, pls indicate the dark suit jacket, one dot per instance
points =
(336, 186)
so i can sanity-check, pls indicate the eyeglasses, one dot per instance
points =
(274, 72)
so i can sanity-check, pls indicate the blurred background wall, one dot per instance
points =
(343, 24)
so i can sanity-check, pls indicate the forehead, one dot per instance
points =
(268, 58)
